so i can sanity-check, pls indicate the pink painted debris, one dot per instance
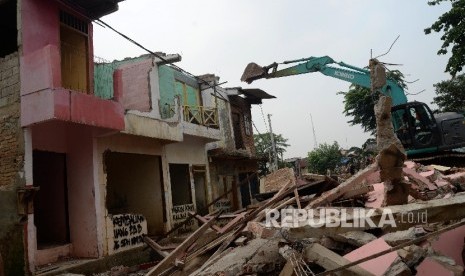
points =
(377, 266)
(451, 243)
(409, 164)
(420, 179)
(431, 267)
(375, 197)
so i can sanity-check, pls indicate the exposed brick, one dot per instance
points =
(11, 151)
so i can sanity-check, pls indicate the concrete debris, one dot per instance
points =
(356, 238)
(398, 237)
(425, 237)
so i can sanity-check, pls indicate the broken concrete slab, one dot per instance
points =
(266, 260)
(412, 254)
(398, 268)
(377, 266)
(326, 258)
(398, 237)
(356, 238)
(261, 253)
(436, 210)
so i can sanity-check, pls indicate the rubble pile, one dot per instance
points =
(424, 236)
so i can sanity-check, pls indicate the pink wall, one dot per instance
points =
(77, 142)
(40, 25)
(131, 83)
(90, 110)
(41, 59)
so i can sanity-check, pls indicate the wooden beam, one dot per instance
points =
(171, 258)
(155, 246)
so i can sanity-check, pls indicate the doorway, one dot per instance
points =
(134, 185)
(201, 196)
(51, 202)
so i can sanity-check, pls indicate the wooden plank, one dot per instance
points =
(155, 246)
(205, 220)
(168, 260)
(297, 197)
(328, 259)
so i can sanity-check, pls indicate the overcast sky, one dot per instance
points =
(222, 37)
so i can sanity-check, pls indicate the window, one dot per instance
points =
(74, 53)
(247, 125)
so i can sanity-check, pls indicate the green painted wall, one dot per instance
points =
(167, 91)
(171, 86)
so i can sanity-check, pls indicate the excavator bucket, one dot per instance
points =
(252, 72)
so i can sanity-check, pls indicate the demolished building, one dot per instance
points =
(97, 154)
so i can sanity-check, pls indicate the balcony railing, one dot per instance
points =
(201, 115)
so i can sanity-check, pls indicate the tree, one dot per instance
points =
(359, 103)
(450, 94)
(324, 157)
(452, 23)
(263, 148)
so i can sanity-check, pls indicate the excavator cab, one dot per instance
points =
(415, 125)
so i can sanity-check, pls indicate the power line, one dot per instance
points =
(104, 24)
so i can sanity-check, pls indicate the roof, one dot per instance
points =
(251, 95)
(95, 9)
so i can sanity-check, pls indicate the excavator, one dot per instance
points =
(422, 133)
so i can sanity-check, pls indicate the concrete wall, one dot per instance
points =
(242, 107)
(122, 143)
(132, 85)
(76, 141)
(11, 168)
(40, 36)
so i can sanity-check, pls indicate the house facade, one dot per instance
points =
(94, 154)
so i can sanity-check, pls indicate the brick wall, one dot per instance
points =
(11, 162)
(11, 137)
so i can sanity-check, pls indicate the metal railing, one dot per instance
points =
(201, 115)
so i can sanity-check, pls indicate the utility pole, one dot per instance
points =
(315, 143)
(273, 147)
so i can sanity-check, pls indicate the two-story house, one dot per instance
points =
(95, 154)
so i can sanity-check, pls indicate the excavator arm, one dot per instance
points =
(345, 72)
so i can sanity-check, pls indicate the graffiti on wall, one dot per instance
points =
(127, 231)
(180, 213)
(223, 204)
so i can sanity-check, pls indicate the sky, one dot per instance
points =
(223, 36)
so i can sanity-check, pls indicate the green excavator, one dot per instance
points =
(422, 133)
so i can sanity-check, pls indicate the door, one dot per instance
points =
(51, 202)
